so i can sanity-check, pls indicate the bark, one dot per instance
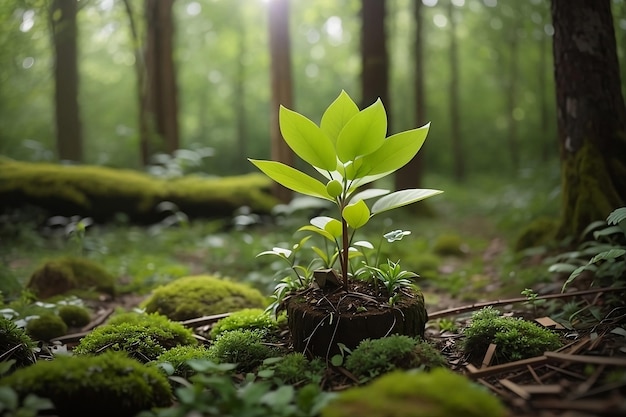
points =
(280, 69)
(69, 139)
(512, 96)
(160, 98)
(240, 90)
(455, 118)
(410, 176)
(591, 115)
(374, 56)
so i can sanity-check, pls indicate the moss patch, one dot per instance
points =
(107, 385)
(440, 393)
(17, 342)
(64, 275)
(202, 295)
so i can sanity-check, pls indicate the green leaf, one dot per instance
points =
(337, 115)
(617, 216)
(317, 230)
(33, 402)
(396, 151)
(607, 231)
(307, 140)
(8, 399)
(612, 254)
(337, 360)
(330, 225)
(280, 398)
(369, 193)
(292, 178)
(402, 198)
(357, 214)
(562, 267)
(321, 254)
(363, 134)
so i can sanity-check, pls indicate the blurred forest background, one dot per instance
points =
(488, 77)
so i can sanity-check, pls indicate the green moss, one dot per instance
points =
(178, 356)
(449, 244)
(515, 338)
(246, 348)
(248, 318)
(102, 192)
(46, 327)
(377, 356)
(74, 316)
(439, 393)
(107, 385)
(15, 344)
(202, 295)
(63, 275)
(539, 232)
(144, 340)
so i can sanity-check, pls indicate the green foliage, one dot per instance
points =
(15, 344)
(46, 327)
(393, 278)
(246, 348)
(31, 406)
(62, 275)
(374, 357)
(515, 338)
(439, 393)
(144, 339)
(201, 295)
(293, 369)
(176, 359)
(349, 150)
(604, 257)
(210, 394)
(74, 316)
(248, 318)
(104, 385)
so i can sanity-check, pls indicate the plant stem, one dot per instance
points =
(344, 254)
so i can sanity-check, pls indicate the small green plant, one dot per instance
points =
(292, 369)
(246, 348)
(145, 339)
(604, 257)
(349, 150)
(515, 338)
(393, 278)
(15, 345)
(374, 357)
(175, 361)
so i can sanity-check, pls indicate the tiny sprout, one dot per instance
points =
(395, 235)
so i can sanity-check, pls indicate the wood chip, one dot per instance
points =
(506, 367)
(491, 350)
(594, 360)
(547, 322)
(515, 388)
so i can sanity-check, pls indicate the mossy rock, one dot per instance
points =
(66, 275)
(246, 348)
(514, 338)
(145, 339)
(377, 356)
(15, 344)
(74, 316)
(449, 245)
(539, 232)
(439, 393)
(110, 384)
(101, 193)
(46, 327)
(202, 295)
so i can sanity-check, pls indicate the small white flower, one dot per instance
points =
(396, 235)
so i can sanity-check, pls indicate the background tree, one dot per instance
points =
(160, 99)
(591, 113)
(374, 57)
(69, 141)
(410, 175)
(455, 117)
(280, 69)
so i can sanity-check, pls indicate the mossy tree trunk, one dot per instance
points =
(591, 114)
(374, 56)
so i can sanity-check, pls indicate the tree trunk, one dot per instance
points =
(240, 91)
(410, 176)
(511, 95)
(160, 98)
(69, 139)
(280, 69)
(374, 57)
(455, 118)
(591, 114)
